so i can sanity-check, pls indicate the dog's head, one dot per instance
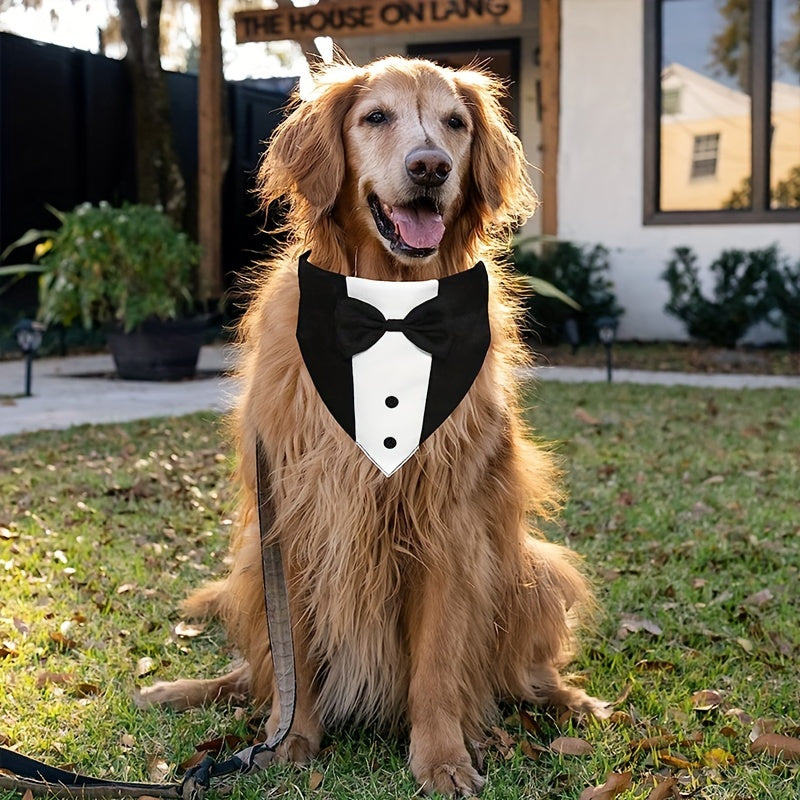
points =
(408, 153)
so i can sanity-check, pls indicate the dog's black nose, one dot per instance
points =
(428, 167)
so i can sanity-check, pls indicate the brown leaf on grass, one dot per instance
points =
(6, 533)
(529, 724)
(531, 750)
(663, 790)
(582, 415)
(675, 760)
(315, 781)
(125, 588)
(706, 700)
(157, 768)
(739, 714)
(626, 691)
(571, 746)
(22, 626)
(43, 678)
(8, 649)
(85, 689)
(615, 784)
(145, 666)
(188, 630)
(64, 642)
(630, 623)
(652, 742)
(759, 599)
(787, 748)
(127, 741)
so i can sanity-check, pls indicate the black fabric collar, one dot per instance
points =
(462, 306)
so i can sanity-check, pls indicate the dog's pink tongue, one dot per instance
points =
(419, 228)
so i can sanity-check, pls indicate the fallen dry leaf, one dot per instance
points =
(706, 700)
(127, 741)
(647, 665)
(85, 689)
(8, 650)
(571, 746)
(615, 784)
(531, 750)
(653, 742)
(630, 623)
(661, 791)
(759, 599)
(157, 768)
(64, 642)
(145, 666)
(787, 748)
(315, 781)
(43, 678)
(717, 757)
(673, 760)
(188, 630)
(582, 415)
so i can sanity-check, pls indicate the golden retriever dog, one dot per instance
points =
(422, 599)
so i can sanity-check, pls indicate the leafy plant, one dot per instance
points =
(739, 297)
(108, 264)
(783, 286)
(579, 272)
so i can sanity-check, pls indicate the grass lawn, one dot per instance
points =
(684, 503)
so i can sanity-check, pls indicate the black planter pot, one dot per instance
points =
(158, 350)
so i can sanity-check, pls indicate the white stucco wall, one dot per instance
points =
(600, 194)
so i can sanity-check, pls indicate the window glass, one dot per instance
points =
(705, 105)
(785, 145)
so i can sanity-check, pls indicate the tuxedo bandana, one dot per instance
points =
(392, 359)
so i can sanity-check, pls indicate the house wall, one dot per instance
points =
(600, 172)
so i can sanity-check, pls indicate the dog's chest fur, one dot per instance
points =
(359, 542)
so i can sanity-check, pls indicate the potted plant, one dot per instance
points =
(128, 270)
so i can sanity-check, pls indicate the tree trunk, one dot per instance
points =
(159, 179)
(210, 153)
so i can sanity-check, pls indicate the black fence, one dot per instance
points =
(66, 136)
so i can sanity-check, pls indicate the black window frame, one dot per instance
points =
(760, 120)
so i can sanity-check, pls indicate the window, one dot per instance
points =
(704, 157)
(722, 111)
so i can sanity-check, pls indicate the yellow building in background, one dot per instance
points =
(705, 141)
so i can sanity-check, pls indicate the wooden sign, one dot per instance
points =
(342, 18)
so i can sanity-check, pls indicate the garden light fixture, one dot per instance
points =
(29, 339)
(607, 333)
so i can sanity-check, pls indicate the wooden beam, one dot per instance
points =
(209, 153)
(550, 65)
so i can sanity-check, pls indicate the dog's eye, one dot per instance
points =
(376, 117)
(455, 122)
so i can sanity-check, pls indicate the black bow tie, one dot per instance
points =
(359, 325)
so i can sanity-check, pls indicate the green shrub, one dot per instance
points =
(581, 272)
(739, 295)
(112, 265)
(783, 285)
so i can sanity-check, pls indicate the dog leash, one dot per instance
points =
(21, 773)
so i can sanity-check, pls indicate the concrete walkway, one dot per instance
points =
(82, 389)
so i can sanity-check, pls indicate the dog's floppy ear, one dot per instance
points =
(304, 160)
(501, 185)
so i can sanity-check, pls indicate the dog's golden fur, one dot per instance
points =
(423, 598)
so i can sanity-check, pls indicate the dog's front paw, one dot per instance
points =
(455, 778)
(297, 749)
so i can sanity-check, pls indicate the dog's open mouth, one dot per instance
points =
(413, 230)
